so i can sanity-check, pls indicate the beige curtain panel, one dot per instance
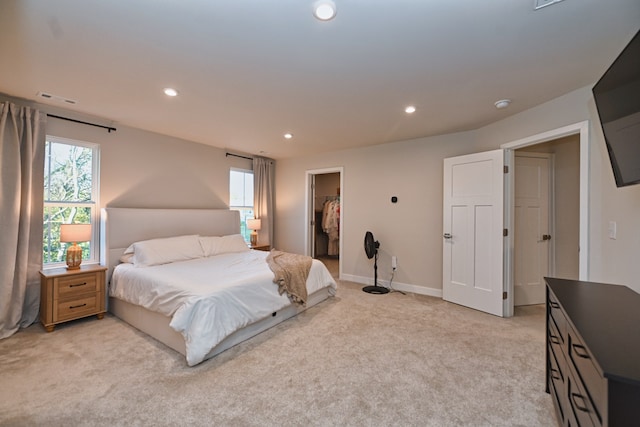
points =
(22, 140)
(263, 191)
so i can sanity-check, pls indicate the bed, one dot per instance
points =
(253, 295)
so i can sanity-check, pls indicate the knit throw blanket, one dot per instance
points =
(290, 274)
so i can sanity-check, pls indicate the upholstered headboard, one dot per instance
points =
(120, 227)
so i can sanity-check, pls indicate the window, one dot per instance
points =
(70, 196)
(241, 197)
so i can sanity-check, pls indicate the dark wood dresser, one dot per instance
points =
(593, 353)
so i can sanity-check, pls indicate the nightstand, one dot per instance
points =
(266, 248)
(71, 294)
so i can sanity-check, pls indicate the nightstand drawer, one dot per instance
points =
(70, 286)
(73, 309)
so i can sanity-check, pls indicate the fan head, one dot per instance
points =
(370, 245)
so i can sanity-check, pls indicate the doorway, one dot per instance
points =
(325, 217)
(539, 249)
(475, 177)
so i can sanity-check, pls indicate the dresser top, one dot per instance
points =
(607, 317)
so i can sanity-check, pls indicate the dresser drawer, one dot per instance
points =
(555, 339)
(70, 286)
(556, 383)
(73, 309)
(594, 383)
(557, 317)
(580, 403)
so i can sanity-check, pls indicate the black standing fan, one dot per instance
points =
(371, 249)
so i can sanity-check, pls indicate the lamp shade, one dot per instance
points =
(254, 224)
(73, 233)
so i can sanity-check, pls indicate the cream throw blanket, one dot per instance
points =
(290, 274)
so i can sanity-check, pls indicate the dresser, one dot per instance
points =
(71, 294)
(593, 353)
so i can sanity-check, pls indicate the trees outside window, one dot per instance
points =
(70, 196)
(241, 197)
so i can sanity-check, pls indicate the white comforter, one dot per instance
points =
(210, 298)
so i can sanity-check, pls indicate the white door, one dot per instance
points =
(532, 236)
(473, 224)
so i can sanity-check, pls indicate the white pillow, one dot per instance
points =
(163, 251)
(127, 258)
(215, 245)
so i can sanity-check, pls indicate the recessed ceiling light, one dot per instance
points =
(410, 109)
(324, 10)
(170, 91)
(503, 103)
(288, 135)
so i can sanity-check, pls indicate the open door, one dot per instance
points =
(473, 227)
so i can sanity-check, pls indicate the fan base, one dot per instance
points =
(375, 290)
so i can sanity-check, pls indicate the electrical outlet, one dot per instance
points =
(394, 262)
(613, 230)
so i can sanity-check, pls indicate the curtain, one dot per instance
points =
(22, 140)
(263, 189)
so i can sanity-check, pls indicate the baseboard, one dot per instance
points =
(398, 286)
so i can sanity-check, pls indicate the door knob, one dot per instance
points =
(546, 237)
(447, 236)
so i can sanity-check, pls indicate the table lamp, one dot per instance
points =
(74, 233)
(253, 225)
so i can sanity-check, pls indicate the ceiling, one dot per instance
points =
(248, 71)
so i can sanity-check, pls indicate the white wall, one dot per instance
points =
(145, 169)
(410, 229)
(412, 170)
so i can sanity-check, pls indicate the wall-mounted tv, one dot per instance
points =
(617, 97)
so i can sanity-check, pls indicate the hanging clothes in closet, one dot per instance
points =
(331, 224)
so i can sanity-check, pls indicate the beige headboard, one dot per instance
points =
(120, 227)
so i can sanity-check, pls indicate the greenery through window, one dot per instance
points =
(241, 197)
(70, 195)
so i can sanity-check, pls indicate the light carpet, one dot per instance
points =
(356, 359)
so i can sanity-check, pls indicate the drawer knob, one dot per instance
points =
(581, 351)
(77, 306)
(554, 339)
(583, 407)
(78, 284)
(554, 304)
(555, 374)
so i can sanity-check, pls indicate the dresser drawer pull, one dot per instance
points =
(77, 306)
(581, 351)
(584, 407)
(555, 374)
(554, 304)
(554, 339)
(77, 284)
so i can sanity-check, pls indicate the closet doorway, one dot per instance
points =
(325, 217)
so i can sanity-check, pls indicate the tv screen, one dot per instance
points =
(617, 97)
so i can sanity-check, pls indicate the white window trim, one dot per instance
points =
(94, 245)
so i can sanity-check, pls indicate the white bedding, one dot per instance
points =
(210, 298)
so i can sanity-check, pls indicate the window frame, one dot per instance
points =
(243, 230)
(93, 205)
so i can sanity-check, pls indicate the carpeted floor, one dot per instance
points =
(357, 359)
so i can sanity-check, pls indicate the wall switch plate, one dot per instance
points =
(394, 262)
(613, 230)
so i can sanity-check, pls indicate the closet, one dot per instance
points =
(327, 215)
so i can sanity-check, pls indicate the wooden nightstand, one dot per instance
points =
(266, 248)
(71, 294)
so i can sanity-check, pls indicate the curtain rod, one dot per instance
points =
(238, 155)
(108, 128)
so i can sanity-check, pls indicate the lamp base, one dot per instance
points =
(254, 238)
(379, 290)
(74, 257)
